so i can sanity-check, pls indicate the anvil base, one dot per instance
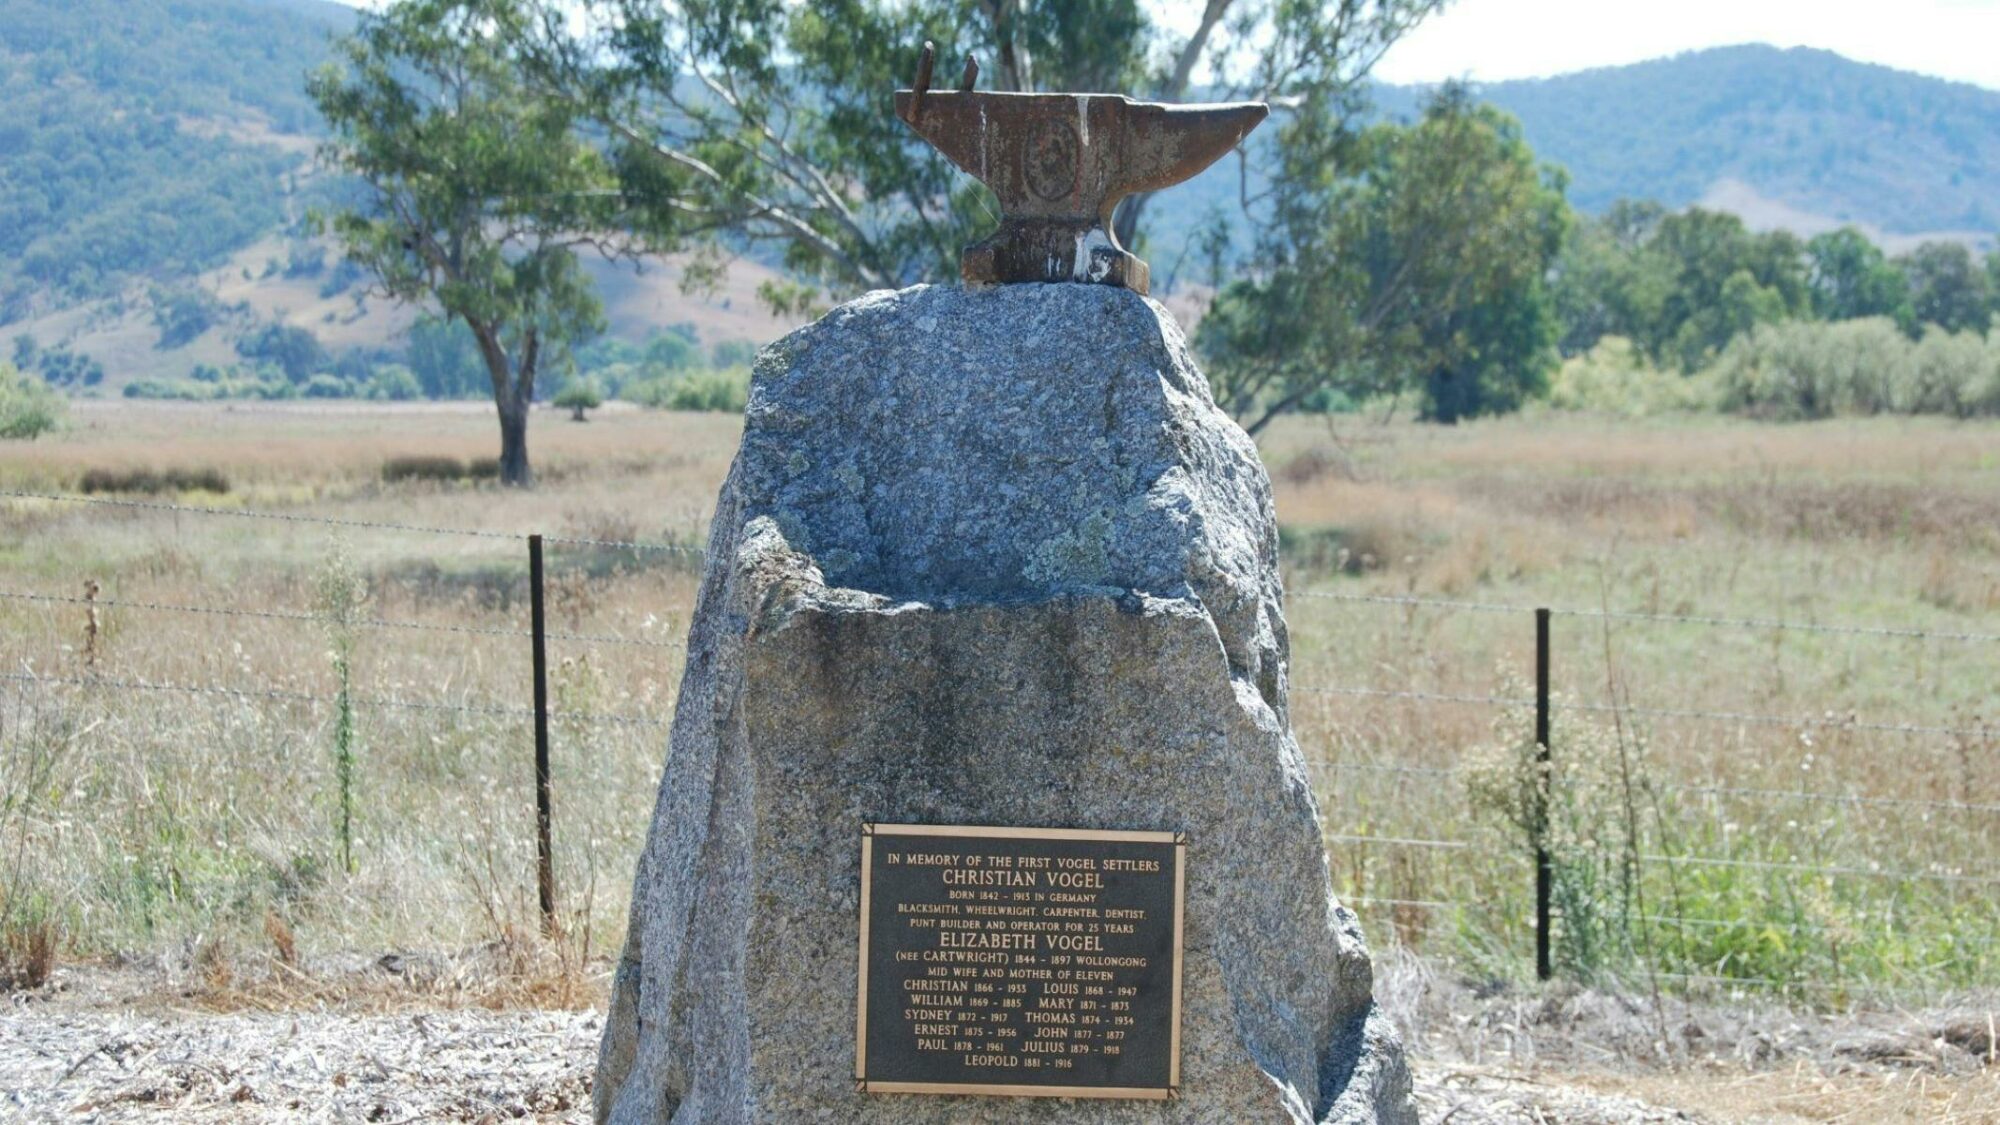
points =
(1041, 249)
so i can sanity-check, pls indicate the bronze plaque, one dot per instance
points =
(1020, 961)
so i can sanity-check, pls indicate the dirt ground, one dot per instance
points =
(393, 1040)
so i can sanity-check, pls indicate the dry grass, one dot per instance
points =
(161, 819)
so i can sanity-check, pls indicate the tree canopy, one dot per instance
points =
(762, 124)
(479, 191)
(1415, 264)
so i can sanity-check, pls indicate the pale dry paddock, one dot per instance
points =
(1815, 854)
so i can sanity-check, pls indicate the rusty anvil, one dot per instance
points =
(1060, 163)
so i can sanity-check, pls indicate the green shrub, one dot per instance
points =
(181, 315)
(325, 385)
(1801, 369)
(726, 390)
(173, 390)
(1982, 395)
(1946, 373)
(1614, 377)
(394, 383)
(28, 408)
(733, 353)
(580, 395)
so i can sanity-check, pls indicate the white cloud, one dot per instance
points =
(1498, 39)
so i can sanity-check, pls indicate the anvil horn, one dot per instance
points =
(1167, 144)
(1060, 163)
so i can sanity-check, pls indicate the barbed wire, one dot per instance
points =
(1822, 869)
(1780, 625)
(611, 639)
(341, 521)
(1806, 984)
(1375, 767)
(1681, 787)
(1426, 903)
(1763, 623)
(623, 545)
(1828, 722)
(1398, 841)
(1418, 696)
(1701, 860)
(1832, 798)
(1414, 602)
(360, 702)
(1677, 920)
(323, 619)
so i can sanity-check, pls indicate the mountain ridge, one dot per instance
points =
(1814, 130)
(150, 145)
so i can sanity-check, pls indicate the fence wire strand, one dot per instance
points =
(347, 522)
(322, 619)
(1717, 790)
(1702, 860)
(1757, 623)
(361, 702)
(1827, 722)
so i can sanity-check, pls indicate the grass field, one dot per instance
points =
(1804, 849)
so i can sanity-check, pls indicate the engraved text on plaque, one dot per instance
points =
(1020, 961)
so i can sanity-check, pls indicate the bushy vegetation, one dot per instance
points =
(671, 370)
(1613, 824)
(28, 409)
(1805, 370)
(1614, 378)
(1683, 285)
(116, 154)
(436, 468)
(58, 366)
(578, 396)
(151, 481)
(725, 390)
(183, 314)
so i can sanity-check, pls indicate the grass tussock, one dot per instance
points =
(28, 943)
(438, 469)
(152, 482)
(516, 969)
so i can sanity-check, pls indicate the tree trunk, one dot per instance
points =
(514, 470)
(512, 397)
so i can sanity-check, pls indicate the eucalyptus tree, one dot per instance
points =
(743, 124)
(1417, 267)
(477, 192)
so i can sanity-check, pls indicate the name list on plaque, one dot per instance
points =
(1020, 961)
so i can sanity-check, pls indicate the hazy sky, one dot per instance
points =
(1495, 39)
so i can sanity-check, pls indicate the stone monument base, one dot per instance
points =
(985, 558)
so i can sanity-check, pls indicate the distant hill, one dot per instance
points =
(1795, 137)
(146, 136)
(152, 147)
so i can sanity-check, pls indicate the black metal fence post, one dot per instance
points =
(545, 868)
(1544, 866)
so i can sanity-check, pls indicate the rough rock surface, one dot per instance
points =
(984, 557)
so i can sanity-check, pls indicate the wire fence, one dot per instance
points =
(1942, 903)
